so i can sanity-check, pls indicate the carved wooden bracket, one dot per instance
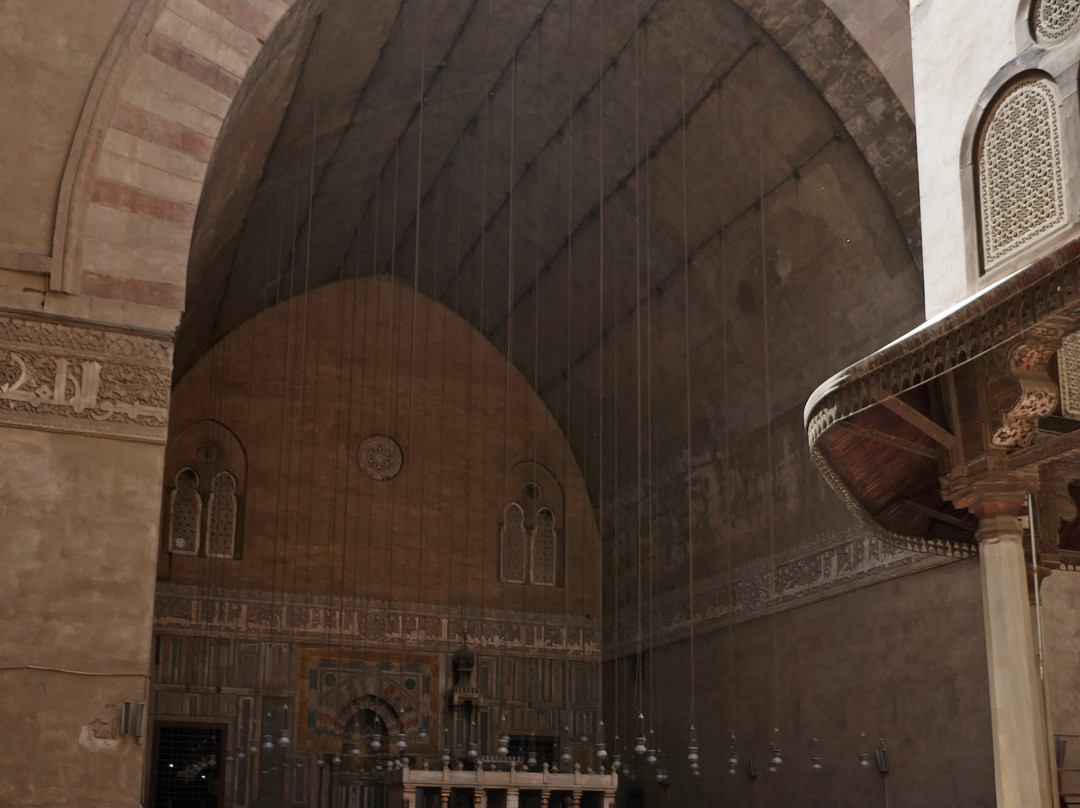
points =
(1034, 394)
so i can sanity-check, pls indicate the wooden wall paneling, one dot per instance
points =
(244, 714)
(248, 664)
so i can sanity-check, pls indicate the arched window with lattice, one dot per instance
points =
(185, 513)
(221, 517)
(1019, 169)
(544, 565)
(512, 544)
(206, 473)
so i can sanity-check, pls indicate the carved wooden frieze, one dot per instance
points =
(65, 376)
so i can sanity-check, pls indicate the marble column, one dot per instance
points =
(1021, 765)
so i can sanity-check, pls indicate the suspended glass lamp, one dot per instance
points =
(354, 750)
(504, 744)
(531, 760)
(284, 741)
(336, 759)
(777, 758)
(639, 742)
(472, 752)
(376, 742)
(401, 741)
(267, 742)
(616, 762)
(650, 751)
(445, 756)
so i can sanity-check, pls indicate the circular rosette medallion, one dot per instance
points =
(379, 457)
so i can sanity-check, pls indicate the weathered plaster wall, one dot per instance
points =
(957, 47)
(964, 53)
(883, 29)
(1060, 604)
(49, 54)
(903, 660)
(80, 545)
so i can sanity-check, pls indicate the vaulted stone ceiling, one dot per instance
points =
(548, 197)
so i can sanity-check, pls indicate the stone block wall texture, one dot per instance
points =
(304, 383)
(331, 556)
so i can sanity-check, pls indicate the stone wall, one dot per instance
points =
(351, 562)
(903, 660)
(82, 424)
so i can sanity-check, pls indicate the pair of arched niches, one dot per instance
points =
(205, 480)
(1024, 144)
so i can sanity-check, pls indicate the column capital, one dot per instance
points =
(996, 496)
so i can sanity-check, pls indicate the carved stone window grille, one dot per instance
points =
(1069, 375)
(512, 541)
(1021, 186)
(1054, 20)
(543, 548)
(221, 517)
(185, 513)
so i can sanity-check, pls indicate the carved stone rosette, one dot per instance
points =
(67, 376)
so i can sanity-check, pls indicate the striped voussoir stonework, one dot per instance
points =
(154, 142)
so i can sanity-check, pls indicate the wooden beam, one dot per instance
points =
(914, 417)
(918, 507)
(891, 440)
(1045, 452)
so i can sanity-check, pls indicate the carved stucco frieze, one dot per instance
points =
(65, 376)
(373, 624)
(833, 564)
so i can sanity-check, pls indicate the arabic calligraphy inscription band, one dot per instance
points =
(65, 376)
